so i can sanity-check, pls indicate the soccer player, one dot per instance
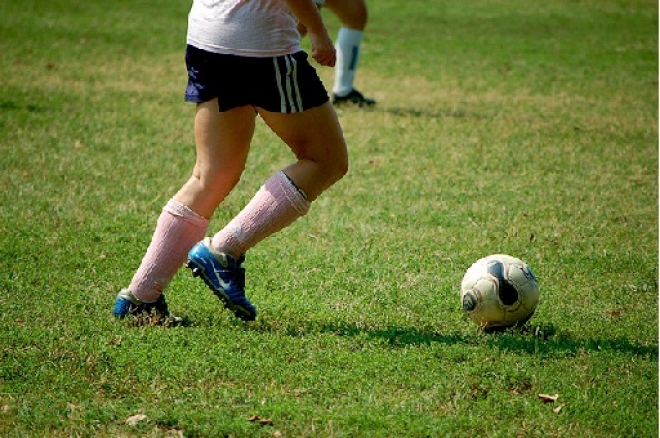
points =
(244, 60)
(353, 15)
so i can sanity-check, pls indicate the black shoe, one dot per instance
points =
(354, 97)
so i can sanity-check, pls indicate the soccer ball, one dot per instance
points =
(499, 291)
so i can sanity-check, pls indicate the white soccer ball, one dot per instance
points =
(499, 291)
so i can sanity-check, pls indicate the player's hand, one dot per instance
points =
(323, 50)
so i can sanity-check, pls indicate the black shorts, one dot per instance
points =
(282, 84)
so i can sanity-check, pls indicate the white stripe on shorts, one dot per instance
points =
(289, 97)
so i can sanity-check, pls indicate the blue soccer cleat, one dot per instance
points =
(127, 304)
(224, 275)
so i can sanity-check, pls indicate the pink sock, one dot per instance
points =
(177, 230)
(275, 206)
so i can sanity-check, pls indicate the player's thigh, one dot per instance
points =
(222, 138)
(352, 13)
(314, 134)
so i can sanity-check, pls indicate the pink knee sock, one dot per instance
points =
(275, 206)
(177, 230)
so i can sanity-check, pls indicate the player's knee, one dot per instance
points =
(358, 17)
(342, 168)
(363, 17)
(338, 166)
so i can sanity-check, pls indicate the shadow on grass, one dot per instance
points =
(537, 339)
(432, 113)
(8, 105)
(531, 339)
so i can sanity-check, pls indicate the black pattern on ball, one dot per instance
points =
(507, 292)
(469, 302)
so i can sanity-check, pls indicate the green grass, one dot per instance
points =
(527, 128)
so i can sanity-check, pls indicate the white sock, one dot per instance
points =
(348, 54)
(276, 205)
(177, 230)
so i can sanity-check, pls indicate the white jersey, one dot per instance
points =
(257, 28)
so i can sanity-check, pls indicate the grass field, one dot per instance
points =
(520, 127)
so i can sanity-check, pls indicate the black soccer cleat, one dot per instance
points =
(353, 98)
